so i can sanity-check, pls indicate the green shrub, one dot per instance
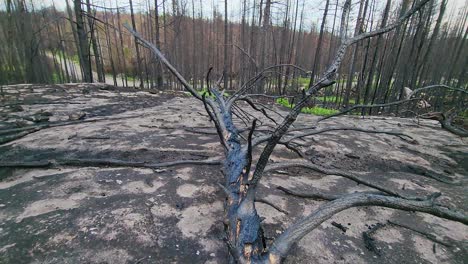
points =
(464, 114)
(333, 98)
(316, 110)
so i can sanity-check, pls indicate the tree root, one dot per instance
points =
(447, 124)
(261, 200)
(309, 195)
(40, 103)
(427, 235)
(23, 131)
(329, 129)
(105, 163)
(430, 174)
(349, 175)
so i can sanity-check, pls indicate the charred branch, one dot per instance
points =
(329, 129)
(294, 233)
(104, 163)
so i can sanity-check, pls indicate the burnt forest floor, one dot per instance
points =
(111, 214)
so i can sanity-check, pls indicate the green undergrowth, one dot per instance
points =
(205, 92)
(316, 110)
(464, 114)
(333, 99)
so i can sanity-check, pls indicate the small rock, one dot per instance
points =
(118, 181)
(45, 113)
(38, 118)
(159, 170)
(76, 116)
(198, 252)
(212, 255)
(2, 205)
(352, 156)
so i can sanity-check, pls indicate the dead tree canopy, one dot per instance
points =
(242, 173)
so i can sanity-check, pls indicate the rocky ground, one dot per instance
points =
(85, 213)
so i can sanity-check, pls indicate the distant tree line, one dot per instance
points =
(86, 42)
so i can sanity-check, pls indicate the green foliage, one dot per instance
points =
(75, 58)
(61, 54)
(464, 114)
(131, 78)
(55, 77)
(316, 110)
(333, 99)
(204, 92)
(303, 81)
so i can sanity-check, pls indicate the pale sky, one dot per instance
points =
(313, 8)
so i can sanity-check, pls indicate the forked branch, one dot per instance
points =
(294, 233)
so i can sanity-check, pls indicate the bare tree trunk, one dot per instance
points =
(122, 54)
(370, 77)
(194, 47)
(85, 61)
(282, 50)
(226, 48)
(159, 70)
(94, 42)
(264, 37)
(421, 72)
(291, 49)
(358, 28)
(63, 53)
(361, 77)
(109, 49)
(395, 56)
(253, 43)
(75, 36)
(318, 51)
(137, 49)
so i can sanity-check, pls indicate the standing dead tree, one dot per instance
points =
(242, 173)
